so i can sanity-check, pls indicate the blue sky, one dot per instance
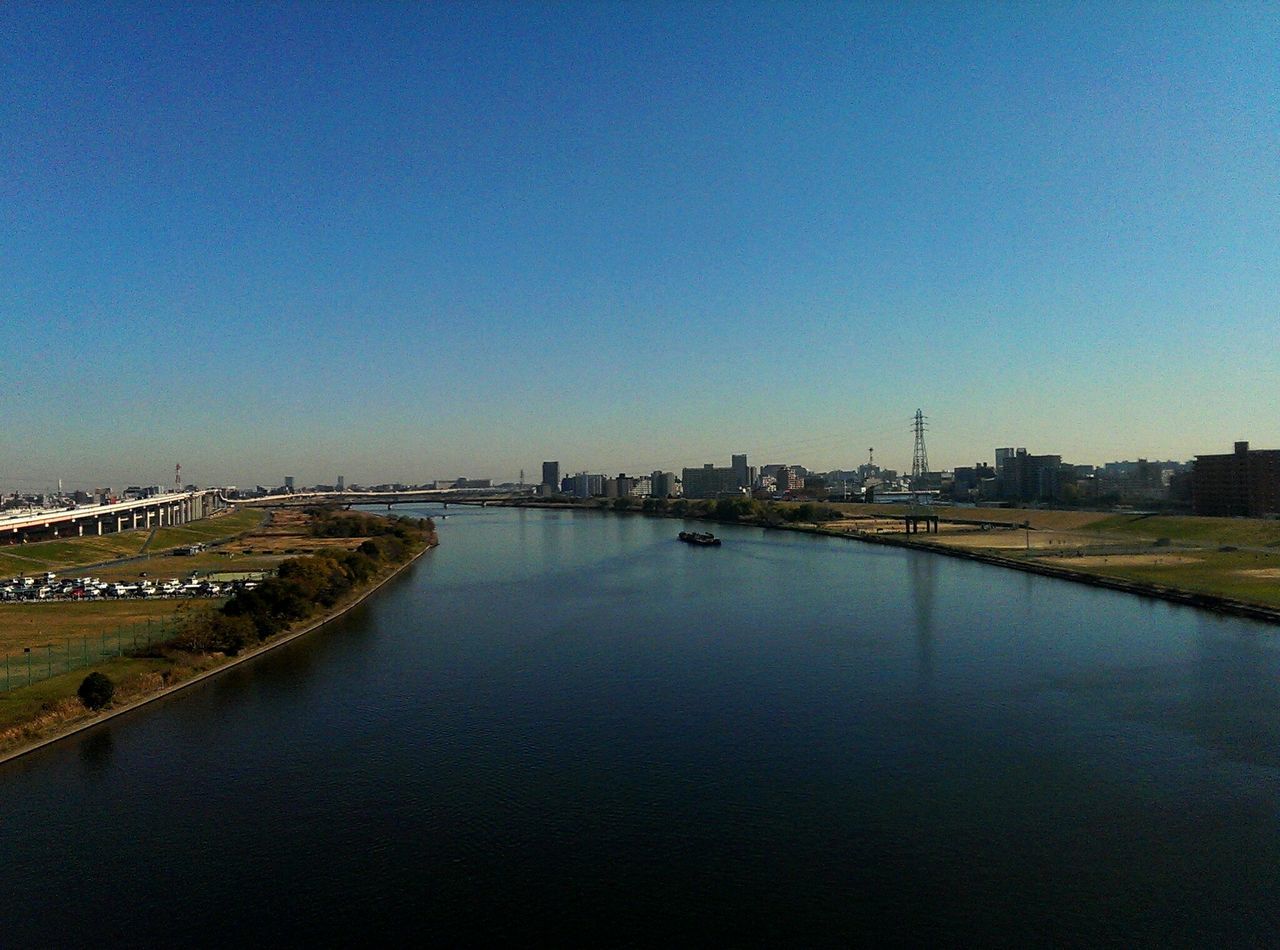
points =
(411, 241)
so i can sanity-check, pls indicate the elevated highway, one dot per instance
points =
(157, 511)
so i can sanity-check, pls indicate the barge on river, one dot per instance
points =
(703, 539)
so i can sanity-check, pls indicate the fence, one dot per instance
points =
(64, 654)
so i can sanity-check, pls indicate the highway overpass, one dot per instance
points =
(157, 511)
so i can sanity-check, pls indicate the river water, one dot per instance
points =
(567, 727)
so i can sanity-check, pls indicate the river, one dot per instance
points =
(567, 727)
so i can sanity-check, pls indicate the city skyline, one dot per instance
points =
(535, 474)
(407, 243)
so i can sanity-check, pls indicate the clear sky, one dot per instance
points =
(419, 240)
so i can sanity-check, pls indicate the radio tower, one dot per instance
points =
(177, 477)
(920, 460)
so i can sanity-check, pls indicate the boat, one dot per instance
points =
(706, 539)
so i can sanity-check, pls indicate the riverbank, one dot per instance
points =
(65, 717)
(1190, 598)
(1148, 566)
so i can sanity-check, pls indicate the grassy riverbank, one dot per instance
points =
(67, 554)
(348, 556)
(1235, 560)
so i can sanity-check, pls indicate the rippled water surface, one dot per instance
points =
(568, 727)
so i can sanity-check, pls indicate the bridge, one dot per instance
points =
(416, 496)
(166, 510)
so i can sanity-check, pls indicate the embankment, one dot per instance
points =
(306, 627)
(1190, 598)
(1142, 588)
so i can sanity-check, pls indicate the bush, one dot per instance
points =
(96, 690)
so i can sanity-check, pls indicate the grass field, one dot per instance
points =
(28, 625)
(1181, 552)
(68, 554)
(206, 530)
(1242, 532)
(1241, 575)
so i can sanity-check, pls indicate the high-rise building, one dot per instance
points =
(342, 483)
(663, 484)
(709, 481)
(1243, 483)
(1025, 477)
(585, 485)
(1003, 454)
(739, 466)
(551, 475)
(288, 483)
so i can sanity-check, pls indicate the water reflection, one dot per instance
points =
(923, 582)
(1234, 702)
(96, 749)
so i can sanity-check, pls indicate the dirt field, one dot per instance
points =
(1045, 520)
(1133, 560)
(1261, 573)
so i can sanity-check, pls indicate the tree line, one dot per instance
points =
(309, 585)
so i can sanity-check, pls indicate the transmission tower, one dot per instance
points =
(521, 477)
(920, 459)
(177, 477)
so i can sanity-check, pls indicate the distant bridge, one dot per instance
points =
(416, 496)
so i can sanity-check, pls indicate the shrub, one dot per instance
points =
(96, 690)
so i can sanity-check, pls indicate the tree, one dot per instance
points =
(96, 690)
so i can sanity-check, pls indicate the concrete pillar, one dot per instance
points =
(99, 526)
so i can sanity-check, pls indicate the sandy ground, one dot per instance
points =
(1131, 560)
(1264, 573)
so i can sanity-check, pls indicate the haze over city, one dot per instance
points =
(406, 242)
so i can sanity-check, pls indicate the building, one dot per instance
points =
(1025, 477)
(551, 475)
(584, 485)
(342, 483)
(787, 478)
(1003, 455)
(739, 465)
(709, 482)
(663, 484)
(288, 483)
(1245, 483)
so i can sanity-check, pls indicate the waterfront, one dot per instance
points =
(568, 725)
